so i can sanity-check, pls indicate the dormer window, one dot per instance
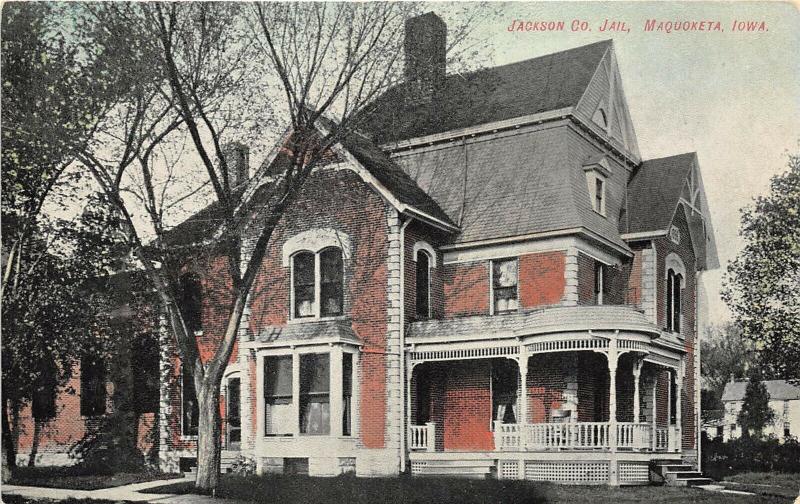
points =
(504, 285)
(317, 284)
(597, 172)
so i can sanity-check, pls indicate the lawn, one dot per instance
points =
(779, 484)
(16, 499)
(307, 490)
(79, 478)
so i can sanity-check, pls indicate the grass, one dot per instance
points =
(16, 499)
(80, 478)
(765, 483)
(307, 490)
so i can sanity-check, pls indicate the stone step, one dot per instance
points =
(693, 482)
(675, 468)
(685, 475)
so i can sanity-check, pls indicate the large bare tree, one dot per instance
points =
(206, 74)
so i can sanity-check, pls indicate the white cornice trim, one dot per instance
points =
(492, 127)
(644, 235)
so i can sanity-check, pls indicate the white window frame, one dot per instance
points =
(674, 263)
(599, 170)
(317, 304)
(425, 248)
(600, 268)
(491, 283)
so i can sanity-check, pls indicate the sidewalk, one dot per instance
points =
(121, 493)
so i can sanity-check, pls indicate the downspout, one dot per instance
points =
(697, 368)
(403, 412)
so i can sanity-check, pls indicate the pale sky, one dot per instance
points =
(732, 97)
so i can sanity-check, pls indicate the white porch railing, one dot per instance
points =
(576, 436)
(422, 437)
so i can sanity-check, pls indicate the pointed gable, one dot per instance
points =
(604, 107)
(660, 188)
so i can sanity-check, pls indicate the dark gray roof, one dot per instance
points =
(549, 82)
(512, 185)
(338, 329)
(654, 190)
(544, 321)
(779, 390)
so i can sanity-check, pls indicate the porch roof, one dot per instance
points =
(537, 322)
(309, 332)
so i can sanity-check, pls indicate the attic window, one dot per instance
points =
(597, 172)
(675, 235)
(600, 117)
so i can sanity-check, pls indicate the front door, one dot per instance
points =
(234, 423)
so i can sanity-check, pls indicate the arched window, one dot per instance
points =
(423, 285)
(191, 302)
(331, 280)
(676, 274)
(318, 283)
(303, 284)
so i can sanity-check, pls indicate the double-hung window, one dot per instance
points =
(93, 386)
(600, 283)
(423, 284)
(191, 303)
(189, 406)
(317, 284)
(315, 380)
(347, 394)
(504, 285)
(278, 414)
(674, 281)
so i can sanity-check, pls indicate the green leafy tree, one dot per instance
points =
(725, 355)
(755, 413)
(762, 283)
(51, 101)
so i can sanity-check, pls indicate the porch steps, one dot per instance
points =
(462, 468)
(671, 473)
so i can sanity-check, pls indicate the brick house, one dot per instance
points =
(485, 279)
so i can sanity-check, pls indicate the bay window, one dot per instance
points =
(278, 414)
(347, 393)
(315, 394)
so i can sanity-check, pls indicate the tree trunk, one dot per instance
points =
(208, 438)
(37, 432)
(9, 453)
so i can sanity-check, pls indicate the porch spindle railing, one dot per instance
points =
(422, 437)
(662, 438)
(565, 436)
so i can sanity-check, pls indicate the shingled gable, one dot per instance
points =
(658, 189)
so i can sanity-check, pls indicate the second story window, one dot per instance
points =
(423, 301)
(317, 284)
(674, 281)
(504, 285)
(191, 302)
(600, 282)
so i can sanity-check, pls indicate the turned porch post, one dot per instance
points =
(522, 418)
(637, 374)
(613, 355)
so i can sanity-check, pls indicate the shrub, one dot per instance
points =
(243, 466)
(751, 454)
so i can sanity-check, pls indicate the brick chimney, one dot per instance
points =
(237, 156)
(425, 51)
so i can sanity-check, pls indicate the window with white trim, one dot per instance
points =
(191, 303)
(600, 282)
(597, 173)
(315, 390)
(423, 285)
(504, 285)
(674, 282)
(317, 284)
(278, 413)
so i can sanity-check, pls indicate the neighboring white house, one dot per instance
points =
(784, 399)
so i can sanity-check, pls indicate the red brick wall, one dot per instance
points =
(634, 287)
(545, 385)
(541, 279)
(592, 387)
(461, 404)
(466, 289)
(664, 246)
